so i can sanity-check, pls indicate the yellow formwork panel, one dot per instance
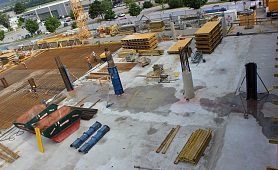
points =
(207, 28)
(139, 37)
(181, 43)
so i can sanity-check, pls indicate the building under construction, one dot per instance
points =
(192, 103)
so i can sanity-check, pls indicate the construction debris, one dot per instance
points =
(208, 37)
(195, 146)
(165, 140)
(169, 141)
(143, 61)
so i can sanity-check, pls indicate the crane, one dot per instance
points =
(81, 19)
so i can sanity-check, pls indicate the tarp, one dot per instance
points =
(4, 48)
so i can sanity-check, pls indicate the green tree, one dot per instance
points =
(21, 19)
(2, 35)
(196, 4)
(4, 20)
(52, 24)
(128, 2)
(147, 4)
(98, 8)
(31, 26)
(134, 9)
(19, 8)
(72, 15)
(175, 3)
(73, 25)
(110, 14)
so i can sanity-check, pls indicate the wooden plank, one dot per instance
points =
(207, 28)
(276, 58)
(165, 140)
(276, 66)
(275, 102)
(168, 143)
(273, 141)
(181, 43)
(6, 158)
(8, 151)
(271, 168)
(275, 75)
(275, 87)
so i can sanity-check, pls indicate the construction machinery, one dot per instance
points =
(81, 19)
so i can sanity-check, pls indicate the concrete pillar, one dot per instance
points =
(38, 18)
(188, 85)
(224, 27)
(174, 35)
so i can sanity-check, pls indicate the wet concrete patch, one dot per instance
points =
(221, 105)
(218, 120)
(146, 99)
(151, 131)
(258, 109)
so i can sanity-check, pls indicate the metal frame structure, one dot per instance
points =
(81, 19)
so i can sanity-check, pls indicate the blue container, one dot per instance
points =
(116, 81)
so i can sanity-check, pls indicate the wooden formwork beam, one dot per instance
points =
(8, 151)
(168, 143)
(275, 75)
(276, 66)
(6, 158)
(271, 168)
(275, 87)
(165, 140)
(275, 102)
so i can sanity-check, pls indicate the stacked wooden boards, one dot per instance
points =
(157, 26)
(140, 41)
(208, 37)
(181, 43)
(195, 146)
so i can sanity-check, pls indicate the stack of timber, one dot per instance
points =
(157, 26)
(156, 52)
(126, 52)
(179, 44)
(140, 41)
(247, 18)
(195, 146)
(208, 37)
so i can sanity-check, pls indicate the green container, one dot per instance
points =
(61, 125)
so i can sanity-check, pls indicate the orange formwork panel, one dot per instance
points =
(181, 43)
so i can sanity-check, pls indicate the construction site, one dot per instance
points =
(206, 99)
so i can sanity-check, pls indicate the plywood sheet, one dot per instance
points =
(181, 43)
(207, 28)
(121, 67)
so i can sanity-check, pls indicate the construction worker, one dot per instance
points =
(93, 55)
(89, 62)
(34, 89)
(24, 64)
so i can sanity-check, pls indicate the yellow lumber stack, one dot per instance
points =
(181, 43)
(195, 146)
(247, 19)
(140, 41)
(157, 26)
(208, 37)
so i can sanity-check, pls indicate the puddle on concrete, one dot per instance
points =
(146, 99)
(221, 105)
(151, 131)
(256, 109)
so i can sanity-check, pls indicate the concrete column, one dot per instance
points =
(188, 85)
(173, 31)
(224, 27)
